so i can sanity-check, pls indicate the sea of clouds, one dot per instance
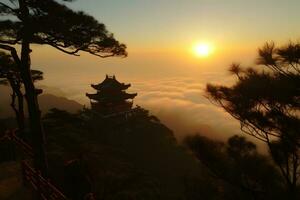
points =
(179, 102)
(182, 105)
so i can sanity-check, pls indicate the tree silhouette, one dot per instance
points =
(9, 75)
(266, 102)
(49, 22)
(237, 163)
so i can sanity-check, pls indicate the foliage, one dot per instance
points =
(8, 69)
(54, 24)
(266, 102)
(10, 75)
(126, 158)
(238, 164)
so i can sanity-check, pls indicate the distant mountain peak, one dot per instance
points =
(46, 102)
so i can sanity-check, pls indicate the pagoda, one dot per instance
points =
(111, 97)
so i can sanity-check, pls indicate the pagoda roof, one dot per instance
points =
(104, 98)
(110, 82)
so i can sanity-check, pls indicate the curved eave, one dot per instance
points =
(111, 86)
(122, 96)
(91, 96)
(130, 96)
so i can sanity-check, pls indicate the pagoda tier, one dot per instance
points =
(110, 83)
(111, 108)
(111, 96)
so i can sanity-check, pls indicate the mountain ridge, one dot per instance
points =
(47, 101)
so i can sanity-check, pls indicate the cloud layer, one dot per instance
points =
(180, 104)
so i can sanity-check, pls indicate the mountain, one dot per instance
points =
(136, 157)
(46, 101)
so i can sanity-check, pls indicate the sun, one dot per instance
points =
(202, 49)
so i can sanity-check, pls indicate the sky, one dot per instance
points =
(161, 65)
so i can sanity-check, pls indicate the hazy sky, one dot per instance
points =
(154, 24)
(160, 34)
(161, 66)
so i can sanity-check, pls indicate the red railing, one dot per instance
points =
(27, 149)
(45, 189)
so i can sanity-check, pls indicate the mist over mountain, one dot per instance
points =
(46, 101)
(179, 102)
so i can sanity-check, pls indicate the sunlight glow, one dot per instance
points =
(202, 49)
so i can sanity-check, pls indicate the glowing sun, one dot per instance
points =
(202, 49)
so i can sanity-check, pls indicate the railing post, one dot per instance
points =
(37, 175)
(48, 189)
(24, 173)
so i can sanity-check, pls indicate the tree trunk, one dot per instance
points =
(37, 132)
(20, 111)
(36, 128)
(13, 106)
